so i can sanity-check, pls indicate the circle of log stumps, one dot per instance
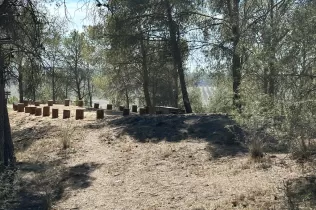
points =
(134, 108)
(50, 102)
(27, 109)
(142, 111)
(125, 112)
(38, 111)
(46, 111)
(67, 102)
(32, 109)
(36, 103)
(54, 113)
(66, 114)
(15, 106)
(20, 107)
(109, 106)
(121, 108)
(100, 114)
(79, 114)
(80, 103)
(96, 105)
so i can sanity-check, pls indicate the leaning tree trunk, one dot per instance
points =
(177, 57)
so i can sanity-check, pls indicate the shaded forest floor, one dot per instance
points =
(151, 162)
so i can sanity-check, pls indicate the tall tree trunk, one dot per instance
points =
(90, 92)
(6, 145)
(272, 51)
(233, 10)
(265, 80)
(176, 89)
(145, 75)
(177, 57)
(20, 81)
(53, 83)
(126, 98)
(2, 139)
(236, 68)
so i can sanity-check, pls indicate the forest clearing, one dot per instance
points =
(157, 104)
(150, 162)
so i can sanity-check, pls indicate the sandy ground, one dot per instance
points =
(109, 167)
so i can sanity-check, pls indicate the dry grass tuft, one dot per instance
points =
(66, 134)
(255, 147)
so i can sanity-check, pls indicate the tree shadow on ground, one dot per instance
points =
(42, 184)
(24, 138)
(223, 135)
(301, 193)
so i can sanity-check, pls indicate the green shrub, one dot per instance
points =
(12, 99)
(195, 97)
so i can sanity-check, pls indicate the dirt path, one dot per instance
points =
(124, 174)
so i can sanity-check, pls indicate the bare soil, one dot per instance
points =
(150, 162)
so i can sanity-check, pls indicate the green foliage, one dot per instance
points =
(196, 100)
(221, 99)
(12, 99)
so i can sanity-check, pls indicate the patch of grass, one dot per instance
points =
(9, 187)
(300, 193)
(302, 149)
(255, 146)
(66, 135)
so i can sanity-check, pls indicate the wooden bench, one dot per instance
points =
(167, 110)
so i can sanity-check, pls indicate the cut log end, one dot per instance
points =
(134, 108)
(66, 114)
(79, 114)
(26, 103)
(50, 103)
(96, 105)
(32, 110)
(121, 108)
(15, 106)
(21, 107)
(38, 111)
(142, 111)
(109, 106)
(54, 113)
(27, 109)
(67, 102)
(100, 114)
(46, 111)
(125, 112)
(80, 103)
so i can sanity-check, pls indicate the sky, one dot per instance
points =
(75, 11)
(78, 16)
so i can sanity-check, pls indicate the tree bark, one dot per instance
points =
(6, 145)
(20, 81)
(145, 75)
(53, 83)
(177, 57)
(272, 57)
(233, 10)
